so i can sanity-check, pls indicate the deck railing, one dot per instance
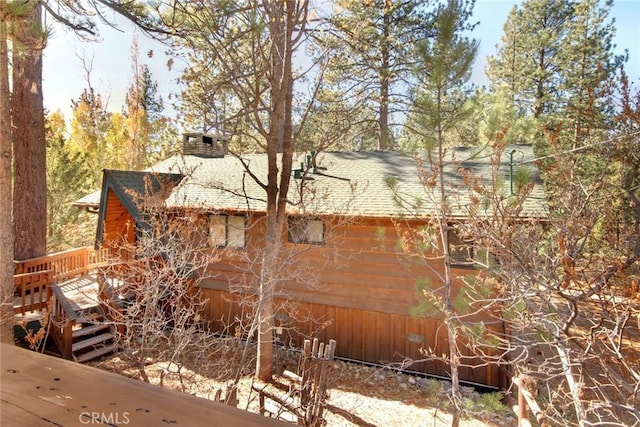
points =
(63, 318)
(65, 265)
(33, 289)
(35, 284)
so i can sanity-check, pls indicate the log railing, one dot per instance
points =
(527, 404)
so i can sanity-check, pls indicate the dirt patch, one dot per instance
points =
(358, 395)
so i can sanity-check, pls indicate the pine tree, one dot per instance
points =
(371, 59)
(556, 61)
(439, 102)
(591, 68)
(530, 57)
(6, 172)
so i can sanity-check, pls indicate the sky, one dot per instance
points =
(65, 77)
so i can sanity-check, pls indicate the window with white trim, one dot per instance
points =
(227, 231)
(305, 230)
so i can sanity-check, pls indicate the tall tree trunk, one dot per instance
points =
(6, 219)
(265, 310)
(30, 187)
(280, 140)
(449, 312)
(385, 70)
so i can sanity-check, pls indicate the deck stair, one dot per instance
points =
(92, 338)
(61, 291)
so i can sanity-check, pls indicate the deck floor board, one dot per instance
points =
(82, 293)
(39, 390)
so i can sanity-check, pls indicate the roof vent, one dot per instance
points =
(201, 145)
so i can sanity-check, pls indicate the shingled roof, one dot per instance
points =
(368, 183)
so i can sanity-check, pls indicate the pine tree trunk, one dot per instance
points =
(282, 25)
(6, 221)
(29, 149)
(383, 120)
(449, 312)
(265, 311)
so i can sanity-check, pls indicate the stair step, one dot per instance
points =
(91, 341)
(90, 317)
(100, 351)
(89, 330)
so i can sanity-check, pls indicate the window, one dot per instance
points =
(227, 230)
(304, 230)
(460, 250)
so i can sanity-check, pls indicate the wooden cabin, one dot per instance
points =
(348, 212)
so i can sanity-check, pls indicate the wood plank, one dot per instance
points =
(357, 349)
(79, 345)
(68, 392)
(344, 331)
(383, 337)
(331, 327)
(390, 304)
(88, 330)
(370, 337)
(94, 354)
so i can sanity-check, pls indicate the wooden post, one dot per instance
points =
(67, 336)
(522, 405)
(85, 260)
(526, 403)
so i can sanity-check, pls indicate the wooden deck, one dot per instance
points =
(39, 390)
(80, 292)
(64, 287)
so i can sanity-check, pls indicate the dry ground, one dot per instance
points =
(358, 395)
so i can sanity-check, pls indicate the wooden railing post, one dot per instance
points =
(84, 261)
(67, 339)
(63, 318)
(526, 403)
(522, 405)
(18, 267)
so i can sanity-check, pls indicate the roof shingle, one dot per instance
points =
(370, 183)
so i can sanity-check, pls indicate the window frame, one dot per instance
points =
(227, 240)
(461, 251)
(306, 231)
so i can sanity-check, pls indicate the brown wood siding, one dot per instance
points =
(355, 269)
(363, 296)
(119, 225)
(364, 335)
